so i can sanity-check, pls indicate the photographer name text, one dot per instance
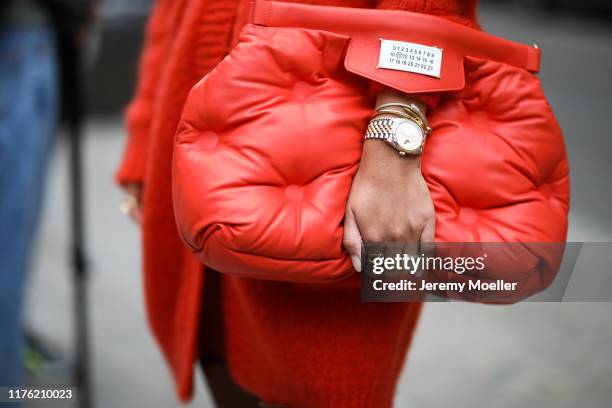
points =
(394, 266)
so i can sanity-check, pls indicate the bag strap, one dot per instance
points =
(402, 25)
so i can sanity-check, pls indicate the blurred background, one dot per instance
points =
(526, 355)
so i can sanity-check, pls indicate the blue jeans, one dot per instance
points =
(28, 111)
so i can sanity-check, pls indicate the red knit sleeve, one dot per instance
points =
(459, 11)
(139, 111)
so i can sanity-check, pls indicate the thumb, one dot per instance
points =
(352, 239)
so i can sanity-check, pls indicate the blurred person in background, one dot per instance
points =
(32, 34)
(281, 344)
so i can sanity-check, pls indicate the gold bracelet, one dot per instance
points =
(405, 106)
(404, 115)
(411, 109)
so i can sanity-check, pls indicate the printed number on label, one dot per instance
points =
(410, 57)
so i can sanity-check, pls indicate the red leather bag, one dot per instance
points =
(270, 140)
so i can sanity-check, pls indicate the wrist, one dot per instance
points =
(382, 158)
(400, 122)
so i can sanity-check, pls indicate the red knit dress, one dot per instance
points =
(286, 343)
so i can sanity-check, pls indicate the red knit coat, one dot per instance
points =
(286, 343)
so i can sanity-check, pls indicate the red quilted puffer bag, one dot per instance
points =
(270, 140)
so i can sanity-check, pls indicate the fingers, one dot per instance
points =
(136, 213)
(428, 236)
(351, 240)
(133, 203)
(429, 231)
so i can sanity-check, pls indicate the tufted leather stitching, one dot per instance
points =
(299, 186)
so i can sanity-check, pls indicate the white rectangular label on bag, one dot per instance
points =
(410, 57)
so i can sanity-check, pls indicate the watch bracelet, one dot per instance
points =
(379, 128)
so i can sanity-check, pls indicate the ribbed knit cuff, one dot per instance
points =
(133, 164)
(334, 395)
(459, 11)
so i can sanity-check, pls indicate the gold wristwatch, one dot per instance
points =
(405, 130)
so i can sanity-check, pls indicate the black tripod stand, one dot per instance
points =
(74, 111)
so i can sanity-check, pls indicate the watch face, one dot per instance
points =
(409, 136)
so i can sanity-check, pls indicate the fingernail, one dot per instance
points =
(356, 263)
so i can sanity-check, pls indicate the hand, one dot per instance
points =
(133, 202)
(389, 201)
